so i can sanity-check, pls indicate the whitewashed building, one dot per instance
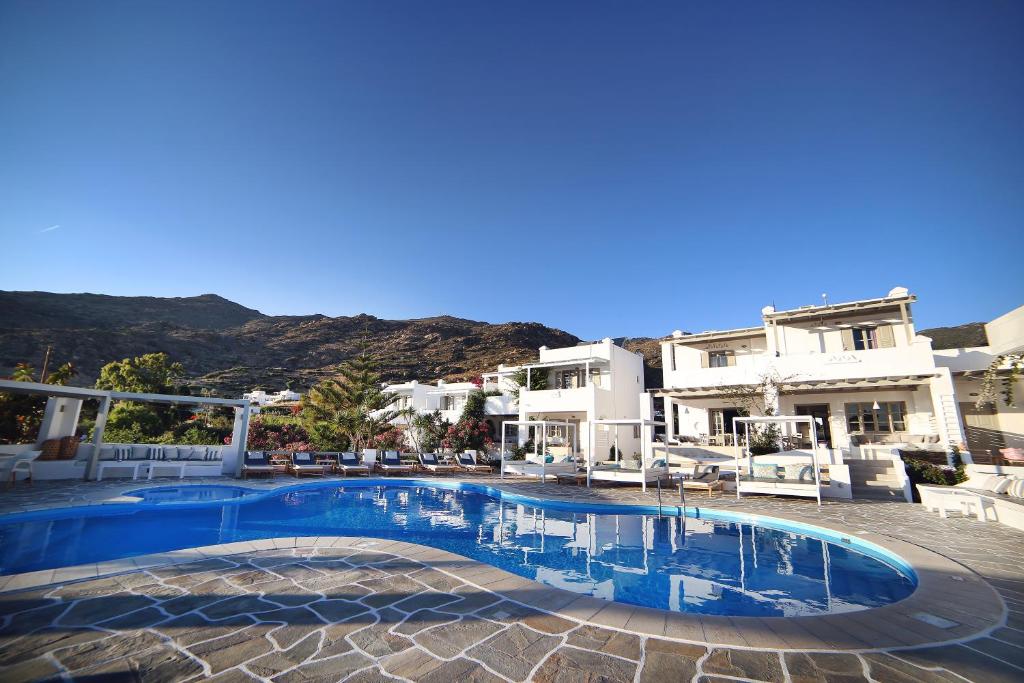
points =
(599, 380)
(997, 424)
(858, 367)
(590, 381)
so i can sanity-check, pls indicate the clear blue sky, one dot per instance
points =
(606, 168)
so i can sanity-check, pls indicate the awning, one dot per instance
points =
(805, 386)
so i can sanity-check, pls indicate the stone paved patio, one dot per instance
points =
(369, 610)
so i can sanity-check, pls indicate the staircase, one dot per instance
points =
(875, 480)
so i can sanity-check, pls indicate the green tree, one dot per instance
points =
(352, 407)
(152, 373)
(538, 380)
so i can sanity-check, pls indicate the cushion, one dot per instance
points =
(766, 471)
(799, 472)
(107, 453)
(1016, 489)
(139, 452)
(170, 453)
(1002, 486)
(198, 453)
(255, 456)
(549, 458)
(660, 462)
(987, 482)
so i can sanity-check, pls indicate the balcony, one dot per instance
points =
(559, 400)
(902, 360)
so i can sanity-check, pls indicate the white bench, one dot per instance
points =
(135, 465)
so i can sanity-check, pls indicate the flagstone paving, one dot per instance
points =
(358, 610)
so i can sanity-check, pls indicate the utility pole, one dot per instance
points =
(46, 362)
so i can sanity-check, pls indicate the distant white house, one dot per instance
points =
(858, 367)
(260, 398)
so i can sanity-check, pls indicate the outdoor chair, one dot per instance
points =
(709, 480)
(467, 461)
(255, 462)
(430, 463)
(303, 463)
(22, 462)
(349, 463)
(392, 463)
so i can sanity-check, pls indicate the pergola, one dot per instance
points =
(540, 446)
(789, 422)
(106, 399)
(645, 443)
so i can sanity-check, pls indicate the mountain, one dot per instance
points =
(959, 337)
(231, 348)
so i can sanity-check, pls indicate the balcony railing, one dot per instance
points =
(901, 360)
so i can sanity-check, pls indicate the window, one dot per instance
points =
(447, 403)
(636, 431)
(721, 359)
(890, 416)
(672, 356)
(595, 376)
(865, 338)
(569, 379)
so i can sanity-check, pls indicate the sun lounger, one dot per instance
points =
(430, 462)
(392, 464)
(256, 462)
(467, 461)
(349, 463)
(709, 480)
(303, 463)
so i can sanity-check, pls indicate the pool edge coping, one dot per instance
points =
(944, 587)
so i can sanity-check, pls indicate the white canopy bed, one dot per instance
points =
(650, 469)
(801, 468)
(541, 463)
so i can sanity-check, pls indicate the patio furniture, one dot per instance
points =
(578, 478)
(303, 463)
(709, 480)
(349, 463)
(22, 462)
(429, 462)
(121, 457)
(1013, 456)
(467, 461)
(280, 460)
(256, 462)
(392, 464)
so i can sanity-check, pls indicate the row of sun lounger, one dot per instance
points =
(301, 463)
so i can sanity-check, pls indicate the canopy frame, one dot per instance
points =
(789, 421)
(543, 424)
(646, 446)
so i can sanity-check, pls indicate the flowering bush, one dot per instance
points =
(468, 434)
(391, 440)
(477, 381)
(274, 437)
(300, 446)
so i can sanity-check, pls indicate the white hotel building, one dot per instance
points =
(858, 366)
(599, 380)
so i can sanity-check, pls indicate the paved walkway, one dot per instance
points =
(366, 609)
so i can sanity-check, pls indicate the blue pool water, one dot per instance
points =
(190, 494)
(702, 565)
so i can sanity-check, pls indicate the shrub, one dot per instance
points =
(921, 472)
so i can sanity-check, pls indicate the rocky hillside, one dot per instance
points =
(959, 337)
(231, 348)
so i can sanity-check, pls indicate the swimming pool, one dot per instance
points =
(728, 565)
(190, 494)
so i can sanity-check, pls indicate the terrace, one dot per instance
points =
(359, 608)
